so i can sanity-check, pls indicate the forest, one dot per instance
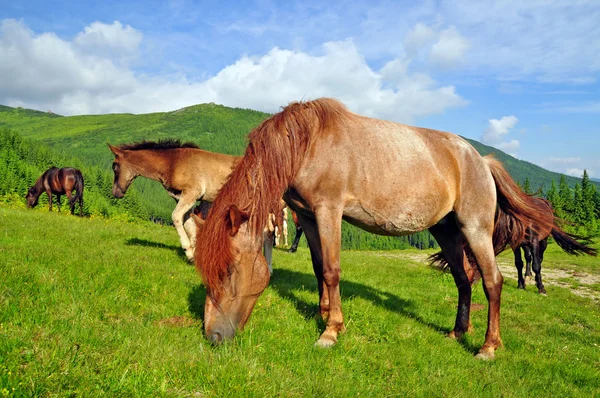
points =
(32, 141)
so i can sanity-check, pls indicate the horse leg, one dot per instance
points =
(71, 203)
(528, 251)
(58, 199)
(479, 239)
(181, 210)
(449, 237)
(329, 226)
(296, 240)
(314, 244)
(519, 265)
(537, 263)
(49, 193)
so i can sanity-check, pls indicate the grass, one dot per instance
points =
(90, 307)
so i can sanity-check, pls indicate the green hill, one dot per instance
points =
(213, 127)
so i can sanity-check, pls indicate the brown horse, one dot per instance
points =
(331, 164)
(535, 244)
(187, 172)
(58, 182)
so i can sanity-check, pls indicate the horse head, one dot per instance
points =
(32, 198)
(124, 173)
(230, 301)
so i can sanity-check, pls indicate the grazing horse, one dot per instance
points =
(387, 178)
(535, 244)
(298, 235)
(58, 182)
(187, 172)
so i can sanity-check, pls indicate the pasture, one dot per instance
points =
(96, 307)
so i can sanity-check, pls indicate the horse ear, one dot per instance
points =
(114, 149)
(198, 220)
(236, 218)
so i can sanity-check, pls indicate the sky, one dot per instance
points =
(521, 76)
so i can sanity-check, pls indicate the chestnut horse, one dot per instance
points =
(535, 245)
(187, 172)
(387, 178)
(58, 182)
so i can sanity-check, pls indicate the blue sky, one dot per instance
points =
(518, 75)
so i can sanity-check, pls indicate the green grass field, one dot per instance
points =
(93, 307)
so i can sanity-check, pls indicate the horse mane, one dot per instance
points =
(272, 158)
(168, 143)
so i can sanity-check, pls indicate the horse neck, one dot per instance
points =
(39, 185)
(147, 163)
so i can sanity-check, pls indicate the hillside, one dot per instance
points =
(213, 127)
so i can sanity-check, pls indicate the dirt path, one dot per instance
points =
(578, 282)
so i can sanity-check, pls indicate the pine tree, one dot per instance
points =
(554, 198)
(527, 186)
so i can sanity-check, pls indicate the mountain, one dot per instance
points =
(213, 127)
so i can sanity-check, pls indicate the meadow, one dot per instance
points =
(99, 307)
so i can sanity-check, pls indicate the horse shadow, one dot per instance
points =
(147, 243)
(286, 283)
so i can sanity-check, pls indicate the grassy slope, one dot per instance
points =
(122, 317)
(215, 127)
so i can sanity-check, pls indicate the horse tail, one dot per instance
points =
(516, 211)
(78, 186)
(573, 244)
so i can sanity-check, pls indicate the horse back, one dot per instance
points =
(391, 178)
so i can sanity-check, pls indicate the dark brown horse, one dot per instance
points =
(58, 182)
(331, 164)
(535, 245)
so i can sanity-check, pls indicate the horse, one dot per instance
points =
(387, 178)
(534, 245)
(298, 235)
(281, 232)
(187, 172)
(59, 182)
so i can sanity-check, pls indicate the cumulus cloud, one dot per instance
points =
(450, 49)
(496, 132)
(497, 128)
(46, 72)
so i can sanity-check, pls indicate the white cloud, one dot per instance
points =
(450, 50)
(498, 128)
(47, 72)
(575, 172)
(496, 132)
(417, 38)
(115, 38)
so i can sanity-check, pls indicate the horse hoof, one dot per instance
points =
(325, 342)
(453, 335)
(485, 355)
(542, 292)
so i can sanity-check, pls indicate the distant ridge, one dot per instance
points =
(212, 126)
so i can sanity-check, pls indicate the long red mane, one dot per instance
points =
(274, 154)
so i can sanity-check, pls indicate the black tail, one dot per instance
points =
(573, 244)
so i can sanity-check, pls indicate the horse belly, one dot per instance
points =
(394, 222)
